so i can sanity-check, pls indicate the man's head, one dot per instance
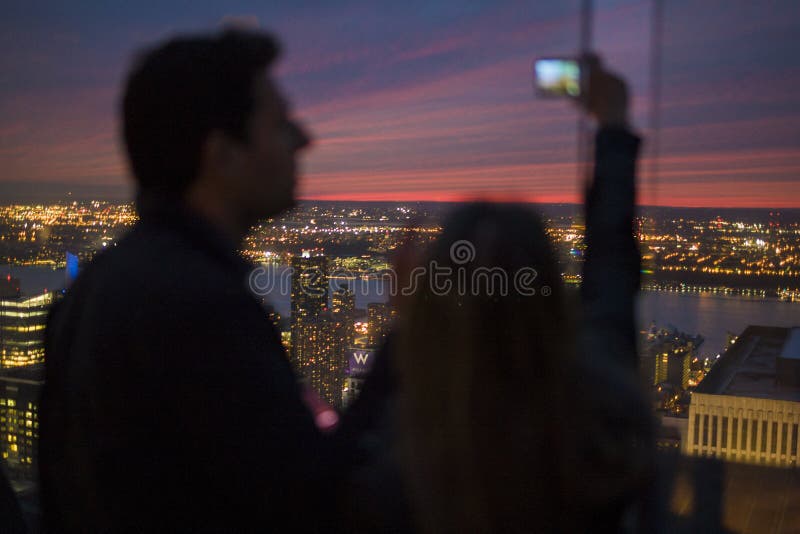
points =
(201, 114)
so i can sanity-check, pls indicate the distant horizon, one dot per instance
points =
(54, 192)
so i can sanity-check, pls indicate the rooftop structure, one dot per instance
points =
(747, 409)
(750, 368)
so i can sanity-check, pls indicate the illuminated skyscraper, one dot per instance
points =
(378, 317)
(343, 315)
(309, 299)
(318, 336)
(673, 365)
(319, 356)
(666, 356)
(22, 324)
(19, 420)
(343, 301)
(310, 284)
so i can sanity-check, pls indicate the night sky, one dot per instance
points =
(431, 100)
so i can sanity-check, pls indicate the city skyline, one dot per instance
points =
(421, 102)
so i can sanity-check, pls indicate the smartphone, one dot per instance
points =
(558, 77)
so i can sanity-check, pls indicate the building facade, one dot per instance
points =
(22, 324)
(310, 285)
(359, 362)
(319, 359)
(343, 302)
(747, 409)
(19, 420)
(378, 317)
(673, 365)
(309, 299)
(319, 335)
(744, 429)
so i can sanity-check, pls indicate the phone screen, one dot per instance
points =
(557, 77)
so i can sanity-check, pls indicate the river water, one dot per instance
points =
(710, 315)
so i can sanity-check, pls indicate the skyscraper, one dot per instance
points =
(343, 315)
(318, 336)
(343, 301)
(378, 317)
(318, 359)
(673, 364)
(359, 362)
(310, 283)
(19, 420)
(666, 356)
(22, 324)
(309, 299)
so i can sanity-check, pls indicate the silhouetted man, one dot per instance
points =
(169, 403)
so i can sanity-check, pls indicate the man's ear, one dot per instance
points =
(220, 154)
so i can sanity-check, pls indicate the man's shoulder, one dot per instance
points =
(157, 270)
(156, 255)
(155, 288)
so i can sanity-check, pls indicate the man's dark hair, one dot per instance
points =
(182, 90)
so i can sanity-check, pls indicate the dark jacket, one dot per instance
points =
(169, 403)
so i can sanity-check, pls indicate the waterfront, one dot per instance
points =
(713, 316)
(708, 314)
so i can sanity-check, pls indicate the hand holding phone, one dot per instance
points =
(558, 77)
(607, 95)
(601, 93)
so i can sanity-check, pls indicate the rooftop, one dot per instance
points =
(749, 368)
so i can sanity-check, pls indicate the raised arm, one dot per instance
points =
(611, 270)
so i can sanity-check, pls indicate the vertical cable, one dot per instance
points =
(654, 120)
(584, 47)
(655, 91)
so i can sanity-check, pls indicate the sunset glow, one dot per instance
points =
(417, 102)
